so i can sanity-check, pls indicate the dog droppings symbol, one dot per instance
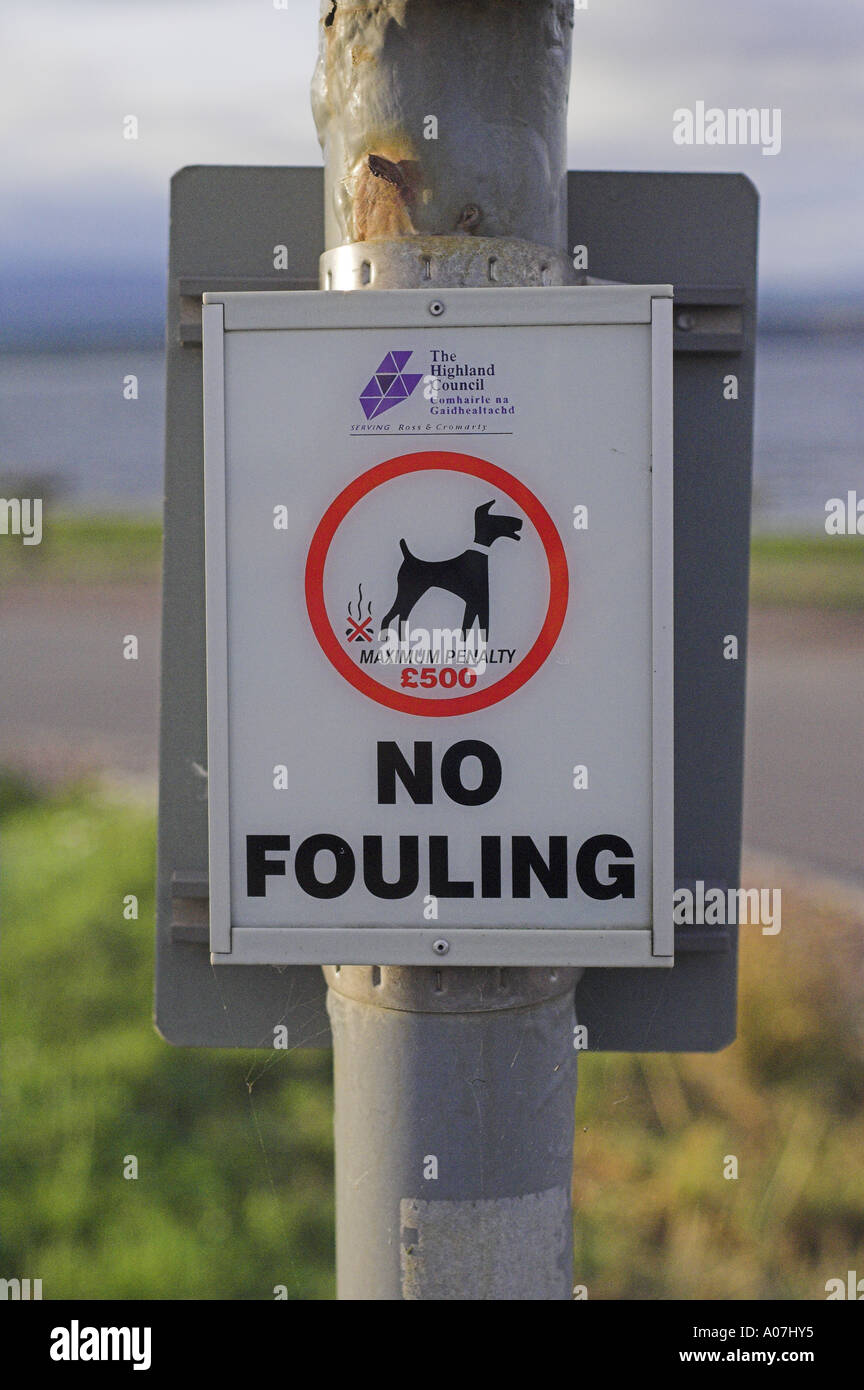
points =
(360, 628)
(390, 385)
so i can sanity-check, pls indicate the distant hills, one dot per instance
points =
(827, 310)
(57, 308)
(49, 309)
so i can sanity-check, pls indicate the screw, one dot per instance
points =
(685, 321)
(436, 308)
(440, 947)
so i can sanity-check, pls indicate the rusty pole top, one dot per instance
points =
(443, 125)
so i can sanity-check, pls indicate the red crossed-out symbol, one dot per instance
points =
(357, 631)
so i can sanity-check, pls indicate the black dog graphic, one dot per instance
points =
(466, 575)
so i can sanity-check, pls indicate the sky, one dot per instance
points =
(227, 81)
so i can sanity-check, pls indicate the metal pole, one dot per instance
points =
(443, 129)
(454, 1132)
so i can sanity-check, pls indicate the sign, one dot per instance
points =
(439, 619)
(467, 672)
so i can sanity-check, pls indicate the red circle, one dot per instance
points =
(416, 463)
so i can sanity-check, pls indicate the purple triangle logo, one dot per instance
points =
(389, 386)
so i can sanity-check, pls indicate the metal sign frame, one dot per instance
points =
(651, 944)
(698, 232)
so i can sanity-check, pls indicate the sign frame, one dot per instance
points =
(651, 945)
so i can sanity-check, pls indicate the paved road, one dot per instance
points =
(69, 700)
(804, 781)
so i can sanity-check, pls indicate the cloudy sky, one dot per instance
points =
(226, 81)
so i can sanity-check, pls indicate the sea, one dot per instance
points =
(71, 427)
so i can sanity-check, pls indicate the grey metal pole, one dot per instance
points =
(454, 1132)
(443, 129)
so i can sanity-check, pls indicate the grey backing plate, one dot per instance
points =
(696, 231)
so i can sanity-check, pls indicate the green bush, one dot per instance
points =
(234, 1189)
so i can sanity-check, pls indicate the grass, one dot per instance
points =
(786, 571)
(808, 572)
(656, 1218)
(233, 1194)
(234, 1189)
(89, 549)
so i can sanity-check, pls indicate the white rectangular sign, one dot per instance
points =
(439, 626)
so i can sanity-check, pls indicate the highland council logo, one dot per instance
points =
(390, 385)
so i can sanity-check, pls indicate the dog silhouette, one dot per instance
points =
(466, 575)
